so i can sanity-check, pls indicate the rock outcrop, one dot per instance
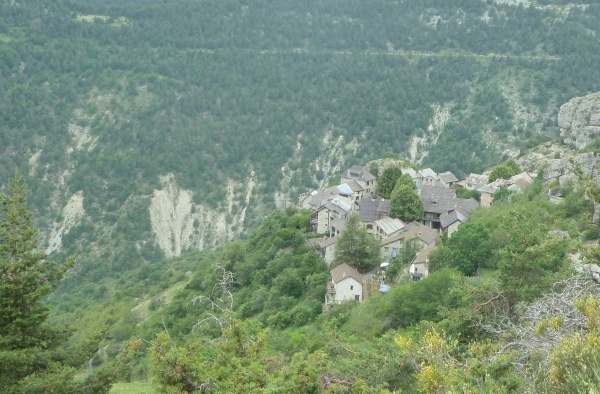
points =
(179, 224)
(579, 120)
(72, 214)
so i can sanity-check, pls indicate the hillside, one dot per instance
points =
(151, 128)
(507, 326)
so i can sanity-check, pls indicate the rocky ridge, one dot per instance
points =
(579, 120)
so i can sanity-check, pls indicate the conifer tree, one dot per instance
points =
(387, 181)
(30, 358)
(356, 247)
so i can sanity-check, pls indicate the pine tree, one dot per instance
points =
(356, 247)
(30, 358)
(387, 181)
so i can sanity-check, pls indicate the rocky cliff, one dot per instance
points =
(579, 120)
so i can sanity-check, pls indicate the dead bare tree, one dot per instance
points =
(545, 322)
(220, 300)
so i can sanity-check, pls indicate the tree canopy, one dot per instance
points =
(387, 181)
(356, 246)
(405, 203)
(31, 359)
(505, 170)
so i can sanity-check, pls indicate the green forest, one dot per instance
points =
(502, 310)
(105, 98)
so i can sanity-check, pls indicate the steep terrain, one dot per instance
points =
(148, 128)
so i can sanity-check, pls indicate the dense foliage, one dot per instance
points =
(405, 203)
(31, 359)
(504, 171)
(447, 331)
(387, 180)
(107, 97)
(356, 247)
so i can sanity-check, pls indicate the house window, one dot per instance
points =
(369, 227)
(386, 249)
(356, 298)
(351, 287)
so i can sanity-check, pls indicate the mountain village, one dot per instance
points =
(443, 212)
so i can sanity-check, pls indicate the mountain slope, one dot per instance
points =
(158, 127)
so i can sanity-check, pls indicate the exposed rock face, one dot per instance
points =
(181, 225)
(71, 216)
(579, 120)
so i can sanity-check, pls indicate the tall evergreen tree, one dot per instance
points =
(356, 247)
(30, 358)
(387, 181)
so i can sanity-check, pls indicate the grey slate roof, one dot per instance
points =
(318, 198)
(421, 257)
(428, 191)
(327, 242)
(428, 172)
(355, 186)
(338, 206)
(384, 207)
(448, 177)
(424, 233)
(412, 172)
(458, 214)
(339, 224)
(369, 209)
(442, 200)
(343, 271)
(358, 172)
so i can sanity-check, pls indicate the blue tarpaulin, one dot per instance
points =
(384, 289)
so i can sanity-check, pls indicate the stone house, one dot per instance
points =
(474, 181)
(357, 190)
(516, 183)
(346, 285)
(440, 200)
(387, 226)
(450, 221)
(327, 249)
(322, 217)
(363, 177)
(429, 177)
(371, 210)
(425, 237)
(447, 179)
(419, 268)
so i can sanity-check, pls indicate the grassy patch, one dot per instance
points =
(132, 388)
(116, 22)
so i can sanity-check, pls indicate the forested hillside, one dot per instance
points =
(503, 310)
(150, 128)
(238, 106)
